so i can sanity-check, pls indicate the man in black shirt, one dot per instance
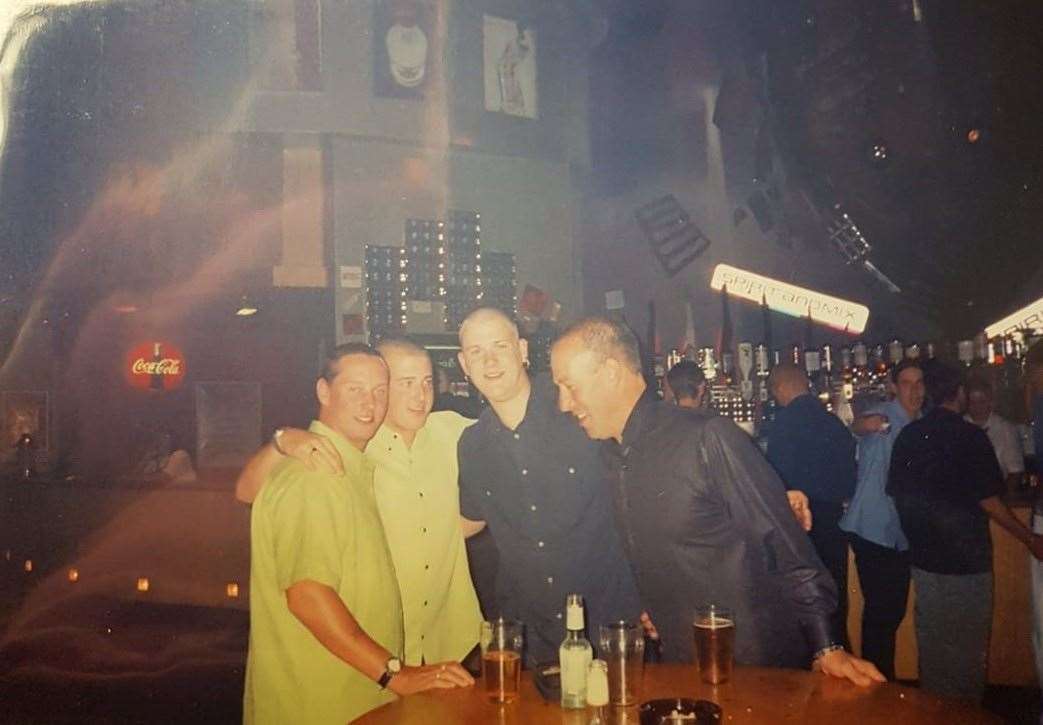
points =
(528, 472)
(704, 517)
(946, 483)
(813, 452)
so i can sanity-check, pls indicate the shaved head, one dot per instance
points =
(787, 382)
(487, 314)
(606, 338)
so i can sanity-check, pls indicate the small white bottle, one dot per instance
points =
(574, 656)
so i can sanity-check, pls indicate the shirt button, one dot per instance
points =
(558, 615)
(488, 493)
(425, 602)
(550, 580)
(539, 544)
(423, 530)
(533, 507)
(572, 470)
(426, 567)
(421, 494)
(525, 471)
(517, 437)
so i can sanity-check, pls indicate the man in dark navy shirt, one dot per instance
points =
(946, 483)
(704, 517)
(813, 452)
(530, 474)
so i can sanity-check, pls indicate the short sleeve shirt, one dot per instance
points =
(419, 502)
(308, 525)
(545, 495)
(942, 467)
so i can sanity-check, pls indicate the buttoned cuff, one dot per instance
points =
(819, 633)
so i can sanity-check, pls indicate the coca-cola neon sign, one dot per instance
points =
(155, 366)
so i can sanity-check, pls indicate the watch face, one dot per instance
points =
(394, 665)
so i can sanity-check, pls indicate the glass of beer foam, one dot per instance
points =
(714, 630)
(501, 641)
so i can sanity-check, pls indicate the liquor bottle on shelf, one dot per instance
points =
(825, 383)
(895, 352)
(763, 370)
(965, 352)
(574, 656)
(727, 368)
(796, 356)
(745, 350)
(861, 372)
(981, 348)
(813, 366)
(912, 351)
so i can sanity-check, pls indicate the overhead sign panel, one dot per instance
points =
(791, 299)
(1029, 317)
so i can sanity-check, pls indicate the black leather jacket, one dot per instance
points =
(705, 519)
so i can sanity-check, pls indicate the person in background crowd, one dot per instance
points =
(319, 559)
(880, 546)
(534, 479)
(685, 385)
(812, 451)
(704, 516)
(446, 399)
(946, 484)
(415, 485)
(1002, 433)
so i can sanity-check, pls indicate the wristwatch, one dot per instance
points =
(391, 668)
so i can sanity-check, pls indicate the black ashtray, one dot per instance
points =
(680, 711)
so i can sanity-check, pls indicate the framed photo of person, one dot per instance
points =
(402, 47)
(509, 63)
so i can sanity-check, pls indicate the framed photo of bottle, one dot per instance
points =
(403, 45)
(509, 65)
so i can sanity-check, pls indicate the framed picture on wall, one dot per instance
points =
(509, 62)
(402, 47)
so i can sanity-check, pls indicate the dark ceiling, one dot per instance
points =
(870, 106)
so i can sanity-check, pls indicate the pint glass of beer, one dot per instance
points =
(714, 643)
(622, 646)
(501, 641)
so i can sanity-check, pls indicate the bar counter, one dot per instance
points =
(754, 695)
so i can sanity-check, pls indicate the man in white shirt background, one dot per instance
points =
(1002, 433)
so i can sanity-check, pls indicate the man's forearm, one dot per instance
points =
(255, 473)
(319, 609)
(1002, 515)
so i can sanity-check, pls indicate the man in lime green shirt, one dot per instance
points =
(418, 499)
(326, 629)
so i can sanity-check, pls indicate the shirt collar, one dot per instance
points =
(640, 419)
(350, 456)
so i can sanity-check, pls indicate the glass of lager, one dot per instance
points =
(714, 629)
(501, 641)
(622, 646)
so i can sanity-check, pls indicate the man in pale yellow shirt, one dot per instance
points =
(418, 499)
(326, 629)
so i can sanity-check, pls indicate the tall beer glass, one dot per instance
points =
(622, 646)
(714, 643)
(501, 641)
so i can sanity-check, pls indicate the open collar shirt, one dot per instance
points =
(542, 489)
(872, 514)
(419, 501)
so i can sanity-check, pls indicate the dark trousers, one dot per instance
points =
(831, 544)
(884, 576)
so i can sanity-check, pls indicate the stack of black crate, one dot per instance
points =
(425, 260)
(464, 278)
(386, 290)
(499, 289)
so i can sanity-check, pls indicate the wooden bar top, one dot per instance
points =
(754, 695)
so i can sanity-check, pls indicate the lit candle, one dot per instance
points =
(232, 589)
(74, 575)
(143, 584)
(28, 564)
